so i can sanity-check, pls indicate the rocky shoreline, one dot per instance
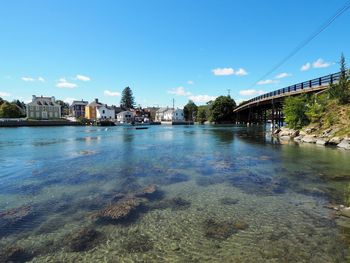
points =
(326, 138)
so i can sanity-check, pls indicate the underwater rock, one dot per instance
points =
(228, 201)
(219, 229)
(240, 225)
(173, 178)
(12, 217)
(138, 243)
(176, 203)
(15, 254)
(120, 209)
(209, 180)
(148, 192)
(83, 239)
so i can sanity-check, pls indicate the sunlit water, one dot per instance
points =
(226, 194)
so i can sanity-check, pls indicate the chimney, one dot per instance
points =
(33, 98)
(53, 99)
(96, 100)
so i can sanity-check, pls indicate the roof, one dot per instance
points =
(94, 104)
(79, 102)
(163, 109)
(43, 101)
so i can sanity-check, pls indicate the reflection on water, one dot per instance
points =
(182, 194)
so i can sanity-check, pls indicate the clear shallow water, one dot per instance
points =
(225, 194)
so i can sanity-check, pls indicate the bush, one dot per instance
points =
(295, 109)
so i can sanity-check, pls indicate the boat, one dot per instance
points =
(141, 128)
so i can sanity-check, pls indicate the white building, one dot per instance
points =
(43, 108)
(166, 114)
(104, 112)
(125, 117)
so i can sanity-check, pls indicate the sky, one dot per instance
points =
(164, 49)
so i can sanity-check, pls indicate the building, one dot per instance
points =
(77, 109)
(90, 110)
(43, 108)
(151, 113)
(125, 117)
(159, 116)
(104, 112)
(166, 114)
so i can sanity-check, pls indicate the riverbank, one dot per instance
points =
(37, 123)
(313, 135)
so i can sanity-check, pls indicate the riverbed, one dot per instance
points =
(223, 194)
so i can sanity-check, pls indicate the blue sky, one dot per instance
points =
(163, 49)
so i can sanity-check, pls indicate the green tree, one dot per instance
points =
(202, 114)
(127, 101)
(190, 111)
(1, 101)
(9, 110)
(64, 107)
(316, 106)
(341, 90)
(295, 109)
(221, 110)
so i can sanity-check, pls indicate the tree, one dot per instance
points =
(202, 114)
(127, 101)
(64, 107)
(1, 101)
(295, 109)
(341, 90)
(221, 110)
(9, 110)
(190, 111)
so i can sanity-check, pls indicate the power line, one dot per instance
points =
(326, 24)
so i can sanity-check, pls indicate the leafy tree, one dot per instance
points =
(341, 90)
(221, 109)
(295, 109)
(1, 101)
(190, 110)
(64, 107)
(316, 106)
(202, 114)
(127, 101)
(9, 110)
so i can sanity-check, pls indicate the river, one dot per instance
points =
(224, 194)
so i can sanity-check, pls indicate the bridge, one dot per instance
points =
(270, 105)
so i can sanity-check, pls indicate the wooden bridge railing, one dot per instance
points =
(325, 80)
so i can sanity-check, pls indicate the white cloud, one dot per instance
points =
(4, 94)
(190, 82)
(62, 83)
(267, 81)
(305, 67)
(82, 78)
(229, 71)
(179, 91)
(251, 92)
(241, 72)
(31, 79)
(202, 98)
(283, 75)
(69, 100)
(223, 71)
(28, 79)
(320, 63)
(111, 93)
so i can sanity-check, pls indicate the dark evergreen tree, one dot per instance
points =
(127, 101)
(190, 111)
(221, 110)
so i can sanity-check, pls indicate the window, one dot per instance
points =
(103, 111)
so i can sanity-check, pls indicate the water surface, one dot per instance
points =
(225, 194)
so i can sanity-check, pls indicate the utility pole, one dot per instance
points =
(228, 92)
(173, 104)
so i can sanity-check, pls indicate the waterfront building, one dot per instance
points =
(125, 117)
(43, 108)
(77, 109)
(166, 114)
(105, 112)
(90, 110)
